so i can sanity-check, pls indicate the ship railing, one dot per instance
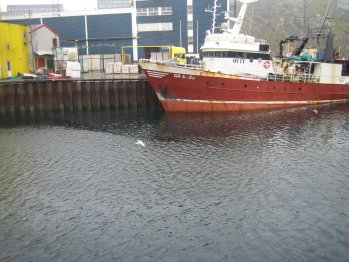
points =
(190, 66)
(297, 78)
(248, 76)
(173, 63)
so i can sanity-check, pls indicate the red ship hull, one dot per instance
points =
(188, 90)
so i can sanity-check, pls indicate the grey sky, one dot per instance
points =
(68, 4)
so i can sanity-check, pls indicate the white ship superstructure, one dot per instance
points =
(231, 52)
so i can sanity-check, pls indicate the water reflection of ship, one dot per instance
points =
(220, 125)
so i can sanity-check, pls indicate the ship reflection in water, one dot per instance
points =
(251, 186)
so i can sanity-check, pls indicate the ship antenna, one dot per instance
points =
(325, 19)
(213, 10)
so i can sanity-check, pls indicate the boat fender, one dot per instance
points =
(266, 64)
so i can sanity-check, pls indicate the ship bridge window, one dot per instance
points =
(263, 47)
(345, 68)
(231, 54)
(307, 68)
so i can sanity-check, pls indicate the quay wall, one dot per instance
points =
(75, 95)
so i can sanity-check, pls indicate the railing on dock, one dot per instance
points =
(75, 95)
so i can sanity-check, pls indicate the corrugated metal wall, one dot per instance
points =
(109, 26)
(120, 25)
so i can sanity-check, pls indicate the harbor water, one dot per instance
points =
(247, 186)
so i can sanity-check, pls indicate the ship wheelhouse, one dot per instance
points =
(237, 54)
(231, 52)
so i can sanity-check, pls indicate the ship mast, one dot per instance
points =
(213, 10)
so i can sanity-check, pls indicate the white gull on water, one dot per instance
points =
(140, 142)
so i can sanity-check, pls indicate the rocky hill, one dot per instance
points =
(274, 20)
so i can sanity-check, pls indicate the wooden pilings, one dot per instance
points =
(71, 95)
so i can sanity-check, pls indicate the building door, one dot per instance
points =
(9, 68)
(50, 65)
(40, 62)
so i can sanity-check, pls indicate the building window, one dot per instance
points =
(190, 25)
(142, 11)
(9, 66)
(155, 27)
(166, 10)
(190, 40)
(154, 11)
(54, 42)
(106, 4)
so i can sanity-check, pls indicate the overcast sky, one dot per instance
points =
(68, 4)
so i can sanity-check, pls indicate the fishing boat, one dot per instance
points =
(237, 72)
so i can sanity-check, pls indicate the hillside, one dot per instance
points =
(274, 20)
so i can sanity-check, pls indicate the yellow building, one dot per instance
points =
(14, 50)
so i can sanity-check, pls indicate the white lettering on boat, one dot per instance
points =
(189, 77)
